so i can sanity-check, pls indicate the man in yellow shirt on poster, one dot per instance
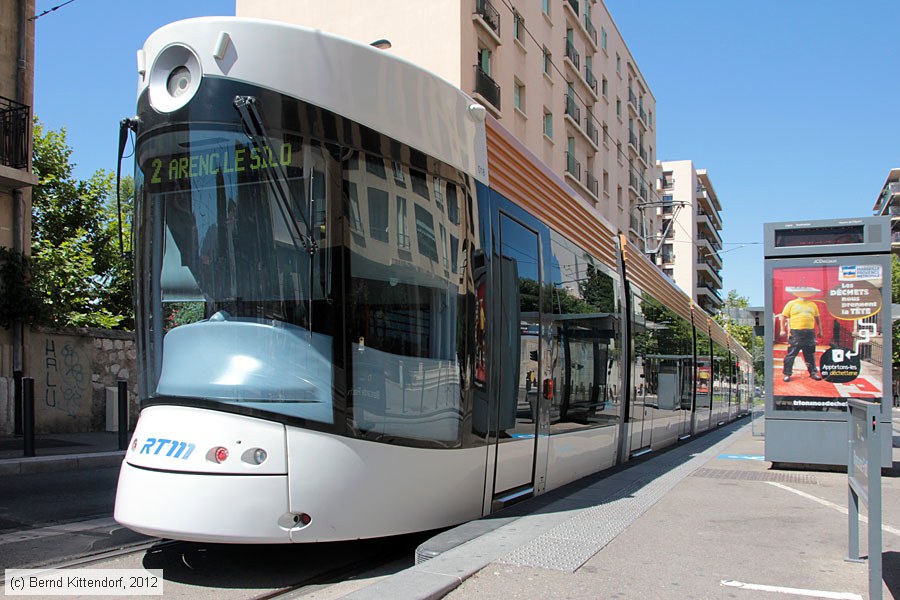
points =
(801, 322)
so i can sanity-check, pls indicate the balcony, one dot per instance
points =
(572, 54)
(632, 140)
(489, 14)
(895, 238)
(591, 30)
(643, 154)
(632, 99)
(635, 223)
(633, 180)
(593, 185)
(641, 114)
(710, 290)
(15, 128)
(573, 167)
(591, 130)
(590, 79)
(572, 109)
(486, 87)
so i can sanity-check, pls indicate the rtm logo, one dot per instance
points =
(177, 449)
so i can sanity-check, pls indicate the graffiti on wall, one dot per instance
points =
(66, 379)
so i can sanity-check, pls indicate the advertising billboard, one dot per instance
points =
(827, 337)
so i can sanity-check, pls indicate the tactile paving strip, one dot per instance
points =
(572, 543)
(780, 477)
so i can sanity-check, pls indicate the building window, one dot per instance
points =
(605, 181)
(545, 6)
(619, 195)
(650, 118)
(484, 60)
(518, 26)
(667, 203)
(355, 219)
(548, 63)
(378, 214)
(603, 37)
(519, 95)
(402, 226)
(618, 63)
(425, 233)
(618, 107)
(604, 85)
(398, 173)
(548, 123)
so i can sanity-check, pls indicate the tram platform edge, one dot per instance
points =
(60, 452)
(698, 520)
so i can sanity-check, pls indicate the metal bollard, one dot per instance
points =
(28, 415)
(122, 400)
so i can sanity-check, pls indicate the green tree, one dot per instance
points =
(80, 275)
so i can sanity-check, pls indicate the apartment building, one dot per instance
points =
(690, 247)
(556, 73)
(888, 204)
(16, 178)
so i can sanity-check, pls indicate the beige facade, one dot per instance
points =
(16, 179)
(888, 204)
(556, 73)
(690, 250)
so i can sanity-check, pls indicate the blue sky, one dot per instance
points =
(791, 106)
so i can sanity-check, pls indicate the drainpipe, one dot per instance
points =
(22, 92)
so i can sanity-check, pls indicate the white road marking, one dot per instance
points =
(832, 505)
(54, 530)
(794, 591)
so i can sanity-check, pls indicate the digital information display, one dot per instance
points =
(177, 171)
(819, 236)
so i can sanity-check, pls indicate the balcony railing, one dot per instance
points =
(489, 14)
(574, 5)
(632, 139)
(635, 223)
(590, 78)
(573, 167)
(487, 87)
(893, 188)
(592, 184)
(572, 54)
(572, 108)
(643, 153)
(632, 99)
(591, 130)
(633, 179)
(14, 132)
(592, 31)
(642, 114)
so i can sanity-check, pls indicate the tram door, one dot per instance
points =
(521, 385)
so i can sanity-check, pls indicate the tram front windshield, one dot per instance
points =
(233, 269)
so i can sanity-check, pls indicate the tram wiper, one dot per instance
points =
(256, 131)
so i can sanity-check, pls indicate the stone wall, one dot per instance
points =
(71, 371)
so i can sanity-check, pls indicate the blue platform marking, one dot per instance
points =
(742, 457)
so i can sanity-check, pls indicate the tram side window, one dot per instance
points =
(664, 346)
(403, 319)
(703, 383)
(586, 343)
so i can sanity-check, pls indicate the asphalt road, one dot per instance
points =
(47, 518)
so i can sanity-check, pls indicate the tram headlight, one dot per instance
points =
(260, 456)
(179, 81)
(174, 78)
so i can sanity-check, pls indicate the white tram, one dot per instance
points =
(363, 309)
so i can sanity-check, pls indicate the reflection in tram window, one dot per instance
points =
(704, 371)
(664, 355)
(404, 317)
(585, 351)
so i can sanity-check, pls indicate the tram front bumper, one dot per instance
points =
(245, 509)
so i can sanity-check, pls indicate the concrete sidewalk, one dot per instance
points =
(60, 452)
(707, 519)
